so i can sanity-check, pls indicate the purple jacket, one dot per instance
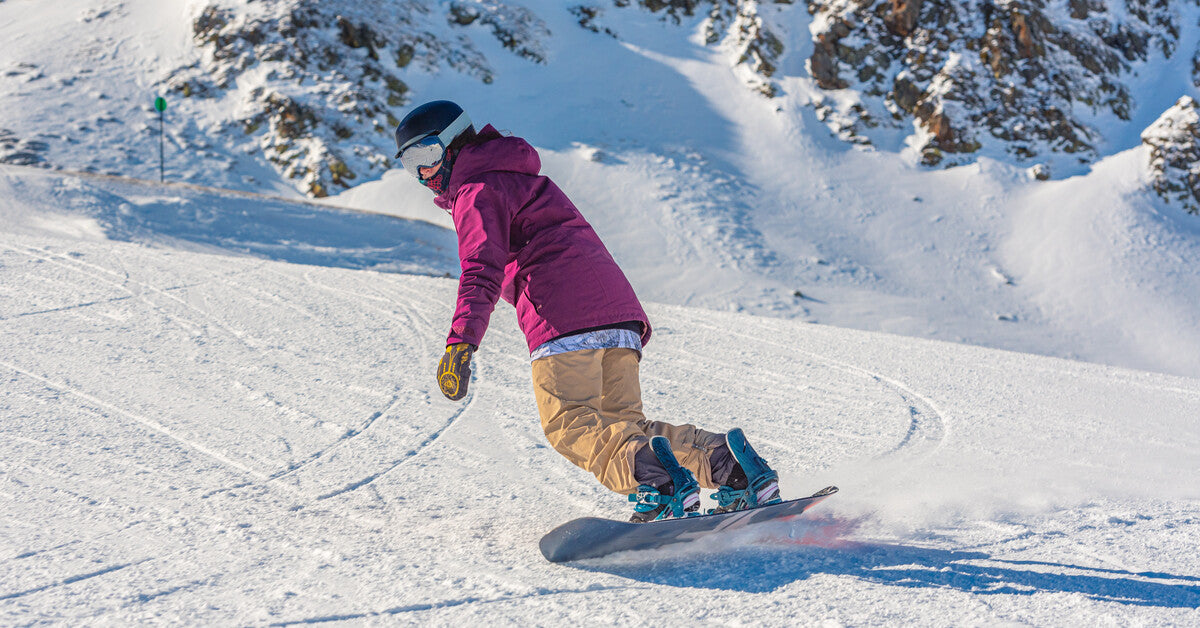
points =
(521, 238)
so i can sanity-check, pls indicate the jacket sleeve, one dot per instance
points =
(482, 219)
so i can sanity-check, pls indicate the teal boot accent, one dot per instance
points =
(677, 499)
(762, 483)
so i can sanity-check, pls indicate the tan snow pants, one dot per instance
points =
(591, 407)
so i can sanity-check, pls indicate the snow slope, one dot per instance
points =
(708, 194)
(239, 425)
(711, 196)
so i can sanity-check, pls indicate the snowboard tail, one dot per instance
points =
(592, 537)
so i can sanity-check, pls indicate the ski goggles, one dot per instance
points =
(429, 150)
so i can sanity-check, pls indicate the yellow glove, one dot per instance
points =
(454, 371)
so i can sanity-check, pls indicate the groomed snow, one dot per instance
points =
(225, 436)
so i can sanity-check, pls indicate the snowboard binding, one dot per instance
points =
(758, 485)
(676, 499)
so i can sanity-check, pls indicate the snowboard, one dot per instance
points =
(592, 537)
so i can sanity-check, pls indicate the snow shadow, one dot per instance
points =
(218, 222)
(778, 562)
(281, 231)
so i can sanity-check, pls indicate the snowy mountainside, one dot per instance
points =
(708, 192)
(320, 81)
(1119, 276)
(1039, 84)
(1048, 83)
(200, 430)
(310, 91)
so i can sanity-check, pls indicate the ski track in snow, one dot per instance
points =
(71, 580)
(411, 454)
(406, 317)
(400, 610)
(343, 441)
(123, 280)
(149, 423)
(928, 427)
(57, 310)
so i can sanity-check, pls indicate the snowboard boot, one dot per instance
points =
(751, 484)
(676, 499)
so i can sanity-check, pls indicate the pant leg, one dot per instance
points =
(622, 401)
(569, 388)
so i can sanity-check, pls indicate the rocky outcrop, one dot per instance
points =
(1174, 141)
(1023, 75)
(318, 86)
(516, 28)
(741, 29)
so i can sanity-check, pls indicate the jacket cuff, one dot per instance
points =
(462, 335)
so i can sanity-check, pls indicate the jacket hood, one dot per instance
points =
(496, 154)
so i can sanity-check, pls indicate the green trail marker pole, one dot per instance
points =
(160, 104)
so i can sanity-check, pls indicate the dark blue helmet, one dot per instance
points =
(440, 118)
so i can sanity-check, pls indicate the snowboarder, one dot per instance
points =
(521, 239)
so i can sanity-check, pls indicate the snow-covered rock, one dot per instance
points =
(301, 94)
(318, 85)
(1026, 76)
(1174, 141)
(743, 28)
(1022, 80)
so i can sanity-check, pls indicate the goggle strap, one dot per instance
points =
(459, 125)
